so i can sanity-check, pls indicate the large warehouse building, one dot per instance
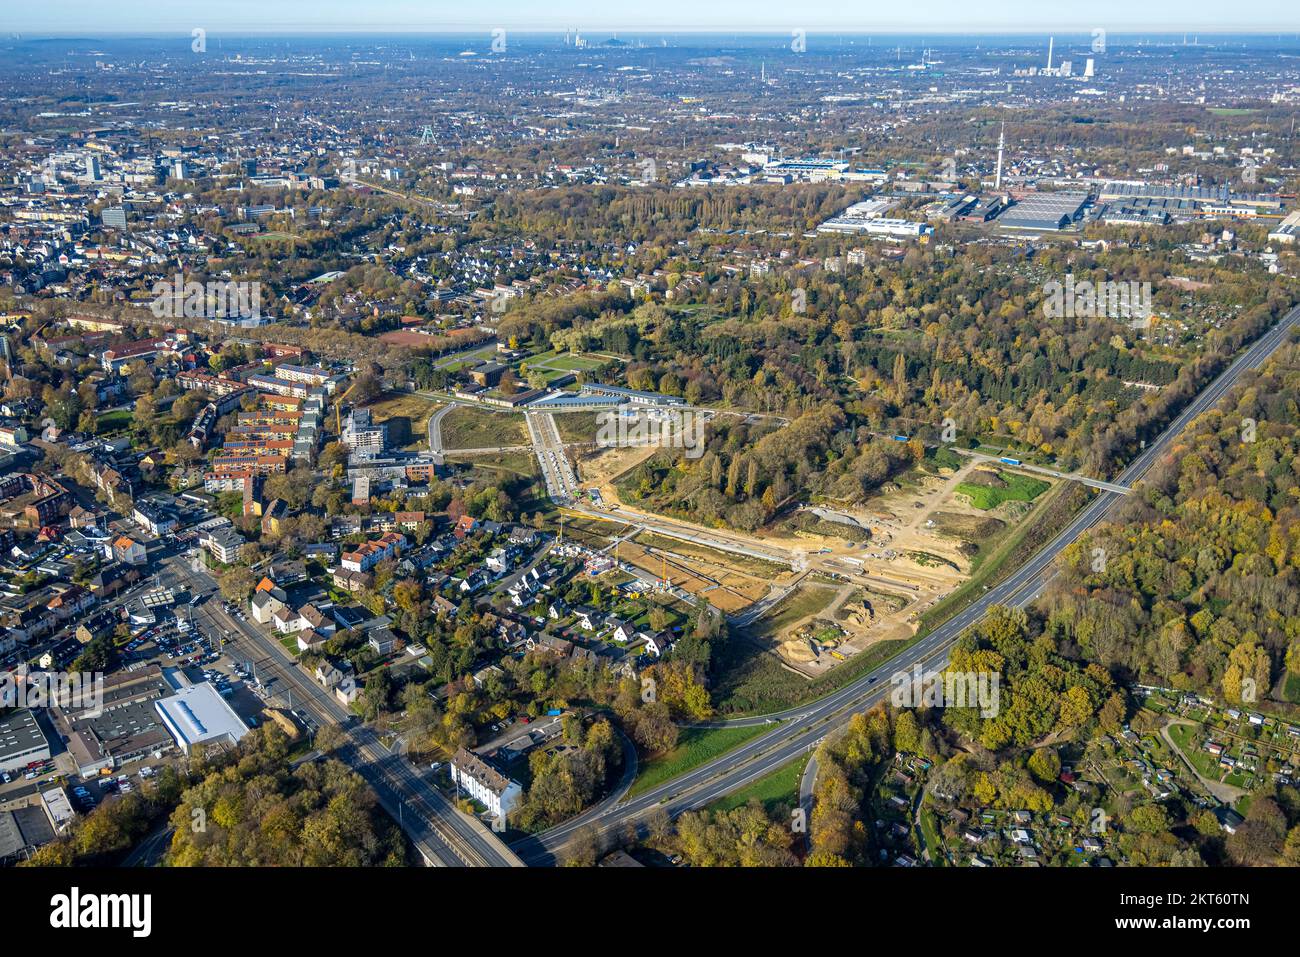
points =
(1044, 212)
(21, 741)
(199, 715)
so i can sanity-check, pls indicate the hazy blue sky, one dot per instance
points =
(86, 17)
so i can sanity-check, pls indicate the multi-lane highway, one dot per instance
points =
(801, 729)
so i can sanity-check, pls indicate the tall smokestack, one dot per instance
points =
(1051, 43)
(1002, 142)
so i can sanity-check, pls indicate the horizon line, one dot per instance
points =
(644, 30)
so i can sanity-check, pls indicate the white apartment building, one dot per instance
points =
(224, 543)
(366, 439)
(484, 783)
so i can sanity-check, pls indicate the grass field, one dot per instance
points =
(467, 428)
(695, 746)
(590, 531)
(564, 362)
(113, 421)
(1291, 688)
(577, 426)
(407, 417)
(574, 363)
(930, 834)
(803, 601)
(1187, 737)
(514, 463)
(1019, 488)
(780, 787)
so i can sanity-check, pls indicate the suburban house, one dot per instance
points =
(657, 644)
(309, 639)
(473, 581)
(589, 619)
(286, 620)
(96, 626)
(112, 579)
(313, 617)
(273, 517)
(71, 600)
(347, 690)
(523, 535)
(560, 647)
(382, 640)
(500, 561)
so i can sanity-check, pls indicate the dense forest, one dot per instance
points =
(1190, 585)
(1195, 583)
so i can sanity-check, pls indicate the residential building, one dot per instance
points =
(223, 542)
(367, 555)
(484, 783)
(128, 551)
(153, 519)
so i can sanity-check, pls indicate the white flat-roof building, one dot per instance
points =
(876, 226)
(57, 808)
(199, 715)
(1286, 231)
(21, 740)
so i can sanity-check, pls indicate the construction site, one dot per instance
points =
(840, 578)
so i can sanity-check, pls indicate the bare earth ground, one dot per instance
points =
(907, 563)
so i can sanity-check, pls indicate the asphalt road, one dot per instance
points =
(435, 429)
(441, 832)
(801, 729)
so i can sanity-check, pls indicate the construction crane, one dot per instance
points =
(338, 405)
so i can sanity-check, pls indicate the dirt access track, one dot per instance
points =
(877, 590)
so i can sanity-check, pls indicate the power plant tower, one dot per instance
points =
(1002, 144)
(1051, 43)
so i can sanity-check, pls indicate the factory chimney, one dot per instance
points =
(1002, 143)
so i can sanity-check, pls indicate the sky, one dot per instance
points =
(139, 17)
